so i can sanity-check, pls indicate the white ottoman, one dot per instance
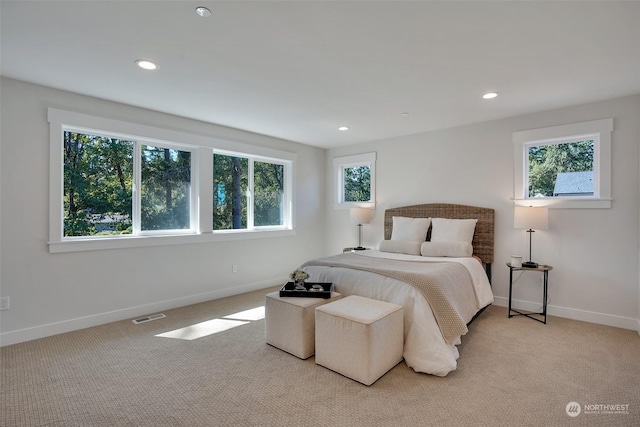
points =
(359, 337)
(290, 322)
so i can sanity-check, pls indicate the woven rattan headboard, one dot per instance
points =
(482, 238)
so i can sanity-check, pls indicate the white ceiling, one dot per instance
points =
(299, 69)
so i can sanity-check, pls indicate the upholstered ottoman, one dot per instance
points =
(290, 322)
(360, 338)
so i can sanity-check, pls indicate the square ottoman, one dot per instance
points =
(290, 322)
(360, 338)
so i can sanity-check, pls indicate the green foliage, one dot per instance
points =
(357, 184)
(269, 191)
(230, 183)
(546, 161)
(97, 179)
(166, 189)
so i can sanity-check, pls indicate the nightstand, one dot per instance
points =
(544, 269)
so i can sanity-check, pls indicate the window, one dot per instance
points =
(116, 184)
(165, 189)
(231, 182)
(564, 166)
(561, 168)
(249, 193)
(355, 180)
(99, 178)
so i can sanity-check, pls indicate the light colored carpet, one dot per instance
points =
(511, 372)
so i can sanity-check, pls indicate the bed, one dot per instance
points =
(395, 274)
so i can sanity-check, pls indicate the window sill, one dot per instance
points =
(566, 203)
(121, 242)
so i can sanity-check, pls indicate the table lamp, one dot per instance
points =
(531, 218)
(360, 216)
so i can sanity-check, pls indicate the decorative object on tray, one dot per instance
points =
(299, 276)
(310, 290)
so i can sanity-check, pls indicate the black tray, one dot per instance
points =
(288, 290)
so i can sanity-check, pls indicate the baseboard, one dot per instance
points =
(41, 331)
(574, 313)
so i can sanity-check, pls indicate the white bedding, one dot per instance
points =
(425, 350)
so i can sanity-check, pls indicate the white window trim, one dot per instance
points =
(598, 130)
(339, 164)
(201, 147)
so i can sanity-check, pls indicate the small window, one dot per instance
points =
(564, 166)
(355, 180)
(561, 169)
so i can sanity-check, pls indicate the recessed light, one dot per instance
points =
(343, 128)
(490, 95)
(146, 65)
(404, 114)
(203, 11)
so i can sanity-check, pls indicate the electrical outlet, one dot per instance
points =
(4, 303)
(234, 268)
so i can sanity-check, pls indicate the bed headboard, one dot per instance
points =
(482, 237)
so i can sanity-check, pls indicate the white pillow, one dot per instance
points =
(410, 229)
(446, 249)
(400, 247)
(453, 230)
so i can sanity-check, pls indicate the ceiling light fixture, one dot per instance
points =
(343, 128)
(203, 11)
(146, 65)
(490, 95)
(404, 114)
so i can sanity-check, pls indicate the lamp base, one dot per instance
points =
(529, 264)
(359, 248)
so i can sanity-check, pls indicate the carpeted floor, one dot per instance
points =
(510, 372)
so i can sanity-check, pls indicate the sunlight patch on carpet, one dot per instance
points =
(202, 329)
(252, 314)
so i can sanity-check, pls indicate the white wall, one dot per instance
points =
(594, 251)
(53, 293)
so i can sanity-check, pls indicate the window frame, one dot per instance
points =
(287, 218)
(201, 203)
(597, 130)
(342, 163)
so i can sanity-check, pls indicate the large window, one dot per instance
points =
(355, 180)
(116, 184)
(564, 166)
(99, 178)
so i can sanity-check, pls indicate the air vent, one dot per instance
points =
(149, 318)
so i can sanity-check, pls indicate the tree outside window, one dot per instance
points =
(99, 176)
(98, 173)
(550, 162)
(357, 184)
(240, 183)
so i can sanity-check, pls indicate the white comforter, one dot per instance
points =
(425, 350)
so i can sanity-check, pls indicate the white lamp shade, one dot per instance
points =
(531, 217)
(360, 215)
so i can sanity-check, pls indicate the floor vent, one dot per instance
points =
(149, 318)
